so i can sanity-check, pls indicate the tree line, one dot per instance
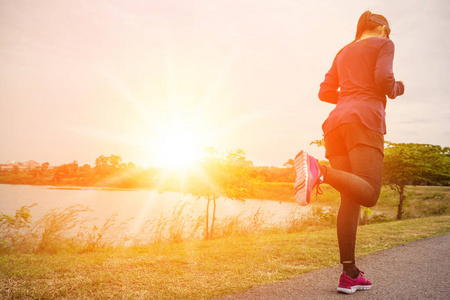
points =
(231, 175)
(404, 164)
(107, 171)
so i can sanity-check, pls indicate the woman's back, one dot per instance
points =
(362, 71)
(356, 69)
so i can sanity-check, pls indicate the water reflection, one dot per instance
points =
(137, 205)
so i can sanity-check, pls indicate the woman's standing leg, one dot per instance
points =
(347, 221)
(366, 163)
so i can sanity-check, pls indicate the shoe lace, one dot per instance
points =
(318, 189)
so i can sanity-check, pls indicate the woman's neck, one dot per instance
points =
(376, 32)
(369, 35)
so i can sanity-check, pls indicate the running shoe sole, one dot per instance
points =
(301, 179)
(354, 289)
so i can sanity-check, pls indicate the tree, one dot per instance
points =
(108, 165)
(85, 171)
(65, 171)
(15, 169)
(289, 163)
(115, 160)
(227, 175)
(44, 167)
(406, 164)
(319, 143)
(131, 166)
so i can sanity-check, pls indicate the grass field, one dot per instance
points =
(195, 269)
(242, 256)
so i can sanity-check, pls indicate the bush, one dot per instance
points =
(14, 230)
(379, 218)
(54, 227)
(318, 216)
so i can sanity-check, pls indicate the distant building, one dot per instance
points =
(23, 166)
(31, 164)
(6, 166)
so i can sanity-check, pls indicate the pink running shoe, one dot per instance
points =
(349, 285)
(308, 176)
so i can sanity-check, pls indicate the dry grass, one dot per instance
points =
(199, 269)
(68, 229)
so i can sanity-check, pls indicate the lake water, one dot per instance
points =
(140, 205)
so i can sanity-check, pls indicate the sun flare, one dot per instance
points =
(177, 148)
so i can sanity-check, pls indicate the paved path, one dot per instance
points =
(418, 270)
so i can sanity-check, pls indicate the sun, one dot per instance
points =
(177, 148)
(175, 143)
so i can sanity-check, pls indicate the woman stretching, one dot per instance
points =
(358, 82)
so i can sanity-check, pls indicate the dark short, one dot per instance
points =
(344, 138)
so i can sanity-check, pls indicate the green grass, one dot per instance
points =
(194, 269)
(421, 201)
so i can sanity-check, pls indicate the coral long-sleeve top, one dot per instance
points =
(358, 82)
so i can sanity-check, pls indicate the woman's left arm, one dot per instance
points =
(384, 75)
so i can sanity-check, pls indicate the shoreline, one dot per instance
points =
(162, 190)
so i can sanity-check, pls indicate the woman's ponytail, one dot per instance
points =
(362, 24)
(369, 21)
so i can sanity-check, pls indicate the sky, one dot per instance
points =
(151, 80)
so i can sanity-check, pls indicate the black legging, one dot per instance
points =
(357, 176)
